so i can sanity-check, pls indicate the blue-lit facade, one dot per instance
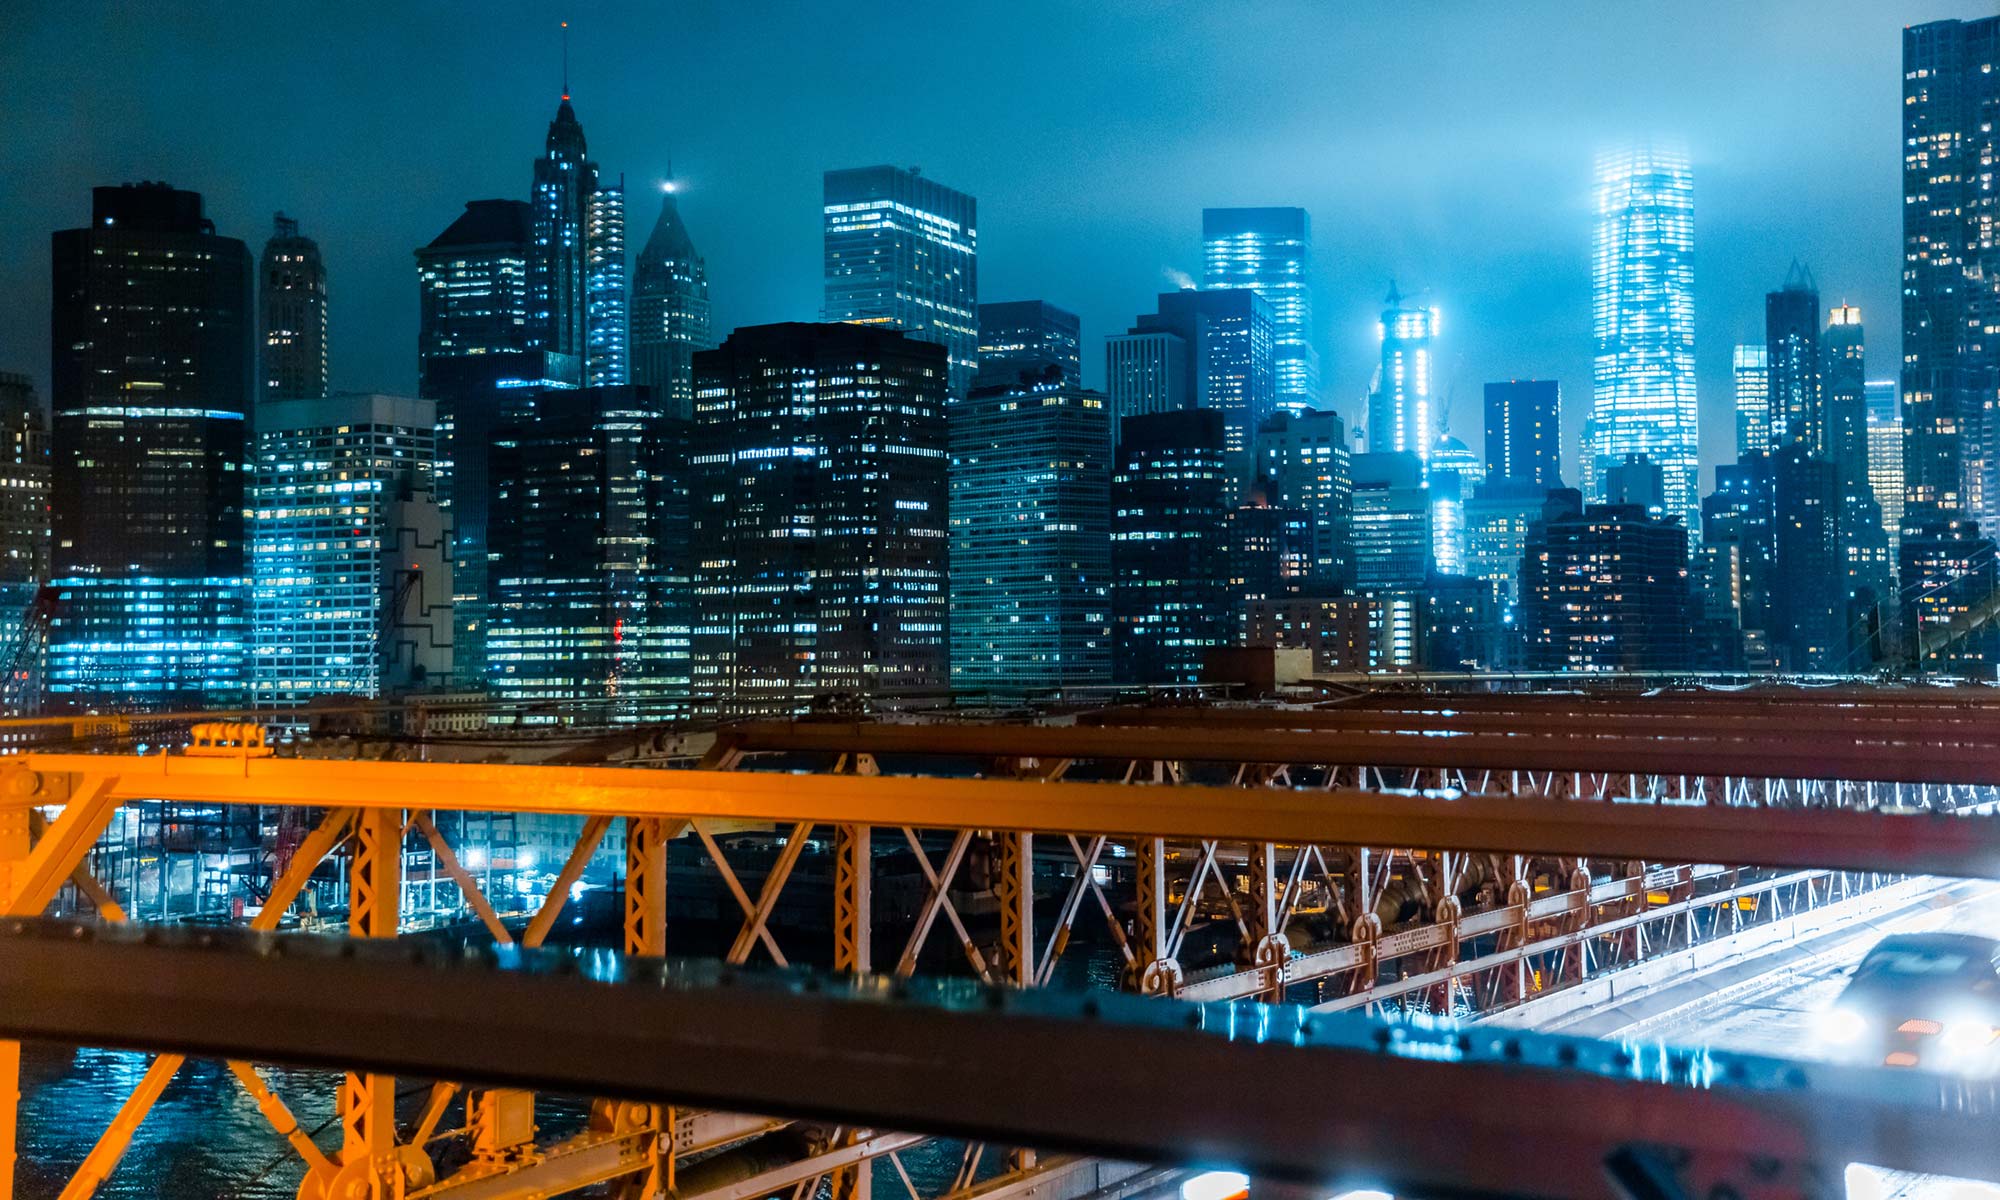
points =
(1147, 371)
(1642, 323)
(558, 269)
(902, 251)
(1791, 350)
(669, 311)
(350, 566)
(1751, 366)
(1208, 350)
(1454, 471)
(1170, 597)
(1393, 548)
(1403, 416)
(819, 493)
(1524, 431)
(606, 361)
(1030, 540)
(1269, 251)
(153, 361)
(1019, 337)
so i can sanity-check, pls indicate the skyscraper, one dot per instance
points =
(1170, 595)
(606, 363)
(1752, 365)
(473, 290)
(1028, 335)
(291, 306)
(589, 537)
(1791, 346)
(1393, 549)
(558, 267)
(1885, 455)
(1604, 588)
(1951, 274)
(1843, 394)
(1454, 471)
(1269, 250)
(1643, 382)
(1030, 538)
(153, 361)
(1403, 416)
(1303, 459)
(669, 312)
(1224, 340)
(350, 566)
(24, 504)
(903, 251)
(1524, 431)
(820, 497)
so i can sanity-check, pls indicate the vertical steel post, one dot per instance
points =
(368, 1100)
(14, 847)
(1014, 888)
(1154, 971)
(853, 951)
(646, 886)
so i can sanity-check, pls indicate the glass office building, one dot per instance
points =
(1791, 346)
(902, 251)
(669, 311)
(1269, 250)
(1642, 317)
(1524, 431)
(1170, 597)
(1403, 415)
(1303, 460)
(1223, 343)
(1030, 540)
(1885, 454)
(558, 268)
(1017, 336)
(1752, 367)
(350, 567)
(606, 361)
(291, 310)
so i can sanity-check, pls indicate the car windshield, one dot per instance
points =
(1929, 962)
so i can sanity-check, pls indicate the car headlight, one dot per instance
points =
(1966, 1037)
(1842, 1026)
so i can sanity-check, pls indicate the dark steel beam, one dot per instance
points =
(1279, 1091)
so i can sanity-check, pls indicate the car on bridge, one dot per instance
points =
(1929, 1000)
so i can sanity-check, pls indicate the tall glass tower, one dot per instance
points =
(903, 251)
(1752, 364)
(669, 311)
(1642, 315)
(1402, 413)
(291, 307)
(1270, 251)
(605, 363)
(565, 179)
(1791, 342)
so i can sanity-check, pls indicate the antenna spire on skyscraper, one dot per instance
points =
(565, 56)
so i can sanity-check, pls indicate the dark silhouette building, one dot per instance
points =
(1170, 595)
(291, 310)
(669, 312)
(820, 502)
(1605, 588)
(1019, 337)
(1791, 345)
(564, 181)
(152, 364)
(1524, 431)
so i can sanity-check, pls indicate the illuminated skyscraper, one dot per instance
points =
(1393, 548)
(1843, 394)
(669, 312)
(1753, 400)
(558, 267)
(605, 361)
(291, 305)
(1170, 594)
(1791, 346)
(24, 502)
(1454, 472)
(1643, 381)
(1028, 335)
(1304, 461)
(1951, 277)
(903, 251)
(819, 494)
(1205, 350)
(1524, 431)
(1403, 415)
(1885, 455)
(152, 335)
(1030, 538)
(350, 567)
(1269, 250)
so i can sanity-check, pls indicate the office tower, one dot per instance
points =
(1843, 394)
(475, 326)
(903, 251)
(1267, 554)
(1224, 342)
(1524, 431)
(1269, 250)
(24, 514)
(1393, 547)
(1498, 515)
(1638, 482)
(153, 359)
(1885, 455)
(1739, 517)
(1951, 274)
(291, 306)
(588, 536)
(1030, 538)
(1147, 371)
(1791, 346)
(669, 312)
(606, 362)
(1018, 336)
(1605, 588)
(558, 268)
(1302, 458)
(350, 566)
(1454, 470)
(1643, 382)
(1337, 629)
(819, 494)
(1170, 598)
(1403, 414)
(1945, 570)
(1808, 597)
(1752, 365)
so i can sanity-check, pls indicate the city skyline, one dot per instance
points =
(1508, 267)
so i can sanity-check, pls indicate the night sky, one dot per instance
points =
(1445, 144)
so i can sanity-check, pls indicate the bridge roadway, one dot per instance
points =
(1563, 889)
